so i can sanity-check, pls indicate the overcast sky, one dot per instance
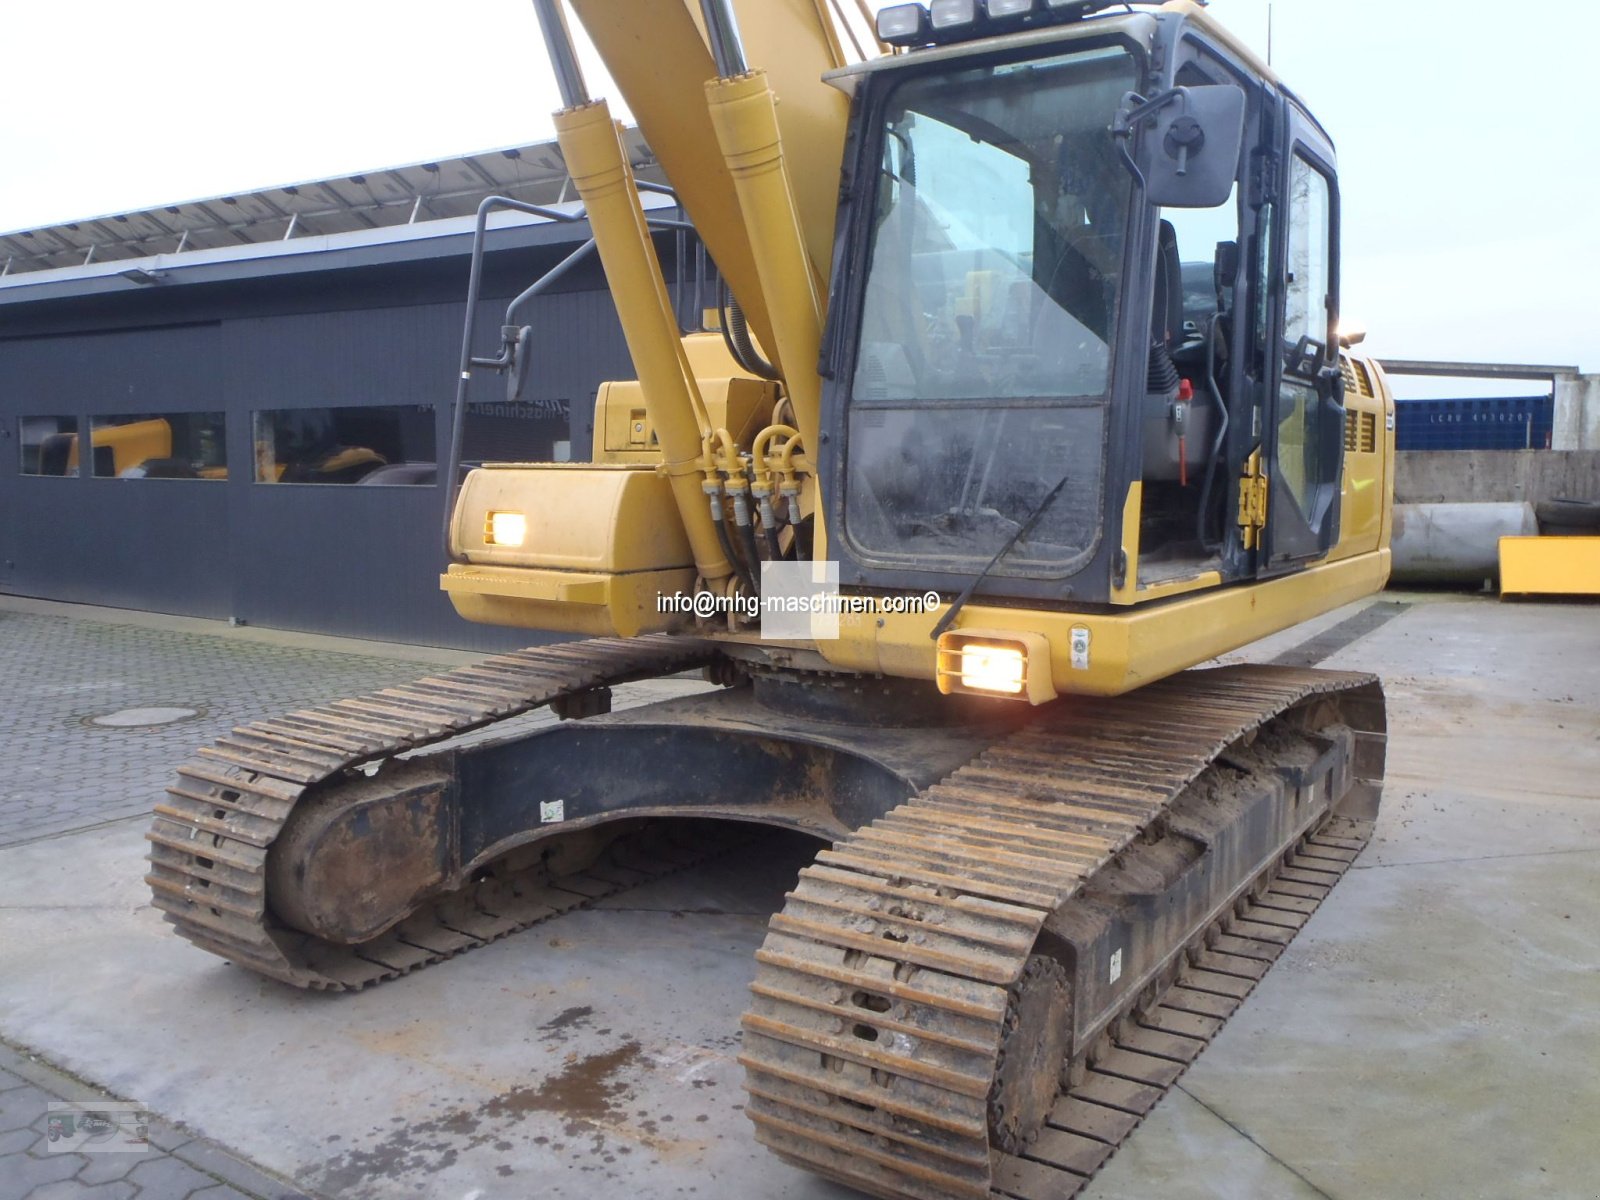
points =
(1468, 156)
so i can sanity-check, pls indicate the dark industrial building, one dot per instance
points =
(233, 408)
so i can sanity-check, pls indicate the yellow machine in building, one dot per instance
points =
(1028, 397)
(117, 448)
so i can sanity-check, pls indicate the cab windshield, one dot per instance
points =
(991, 296)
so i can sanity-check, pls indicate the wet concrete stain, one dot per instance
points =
(563, 1023)
(587, 1092)
(583, 1090)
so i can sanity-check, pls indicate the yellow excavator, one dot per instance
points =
(1027, 396)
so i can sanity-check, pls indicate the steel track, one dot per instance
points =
(875, 1030)
(211, 835)
(881, 994)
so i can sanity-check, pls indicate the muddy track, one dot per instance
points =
(887, 982)
(211, 834)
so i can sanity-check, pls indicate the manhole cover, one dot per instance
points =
(136, 718)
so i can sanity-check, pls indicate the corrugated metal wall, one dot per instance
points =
(356, 560)
(1477, 423)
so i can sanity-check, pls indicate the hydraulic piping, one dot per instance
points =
(736, 336)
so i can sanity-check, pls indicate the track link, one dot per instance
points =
(211, 835)
(881, 997)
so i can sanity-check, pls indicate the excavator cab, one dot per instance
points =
(1008, 342)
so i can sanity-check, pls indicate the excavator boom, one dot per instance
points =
(659, 58)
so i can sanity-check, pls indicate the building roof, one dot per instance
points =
(388, 198)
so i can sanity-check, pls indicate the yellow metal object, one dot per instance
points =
(579, 516)
(591, 604)
(1550, 566)
(993, 662)
(657, 55)
(775, 471)
(1123, 650)
(1368, 480)
(1252, 501)
(624, 431)
(1130, 590)
(745, 117)
(1177, 587)
(600, 545)
(1126, 590)
(591, 143)
(130, 444)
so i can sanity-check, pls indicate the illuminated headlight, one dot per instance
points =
(991, 662)
(903, 25)
(1001, 669)
(949, 13)
(1000, 9)
(505, 529)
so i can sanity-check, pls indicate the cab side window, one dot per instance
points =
(1307, 279)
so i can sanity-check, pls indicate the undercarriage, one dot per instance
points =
(1026, 924)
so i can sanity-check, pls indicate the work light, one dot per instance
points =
(947, 14)
(506, 529)
(903, 25)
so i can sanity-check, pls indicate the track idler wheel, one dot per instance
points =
(1033, 1048)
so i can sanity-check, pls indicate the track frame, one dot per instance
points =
(879, 1012)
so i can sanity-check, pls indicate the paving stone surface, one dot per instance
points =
(60, 772)
(194, 1169)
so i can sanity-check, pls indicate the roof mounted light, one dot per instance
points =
(941, 22)
(903, 25)
(949, 14)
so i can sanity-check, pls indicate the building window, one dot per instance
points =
(389, 444)
(49, 445)
(183, 445)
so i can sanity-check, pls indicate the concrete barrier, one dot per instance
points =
(1483, 476)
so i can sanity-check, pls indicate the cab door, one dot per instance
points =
(1303, 439)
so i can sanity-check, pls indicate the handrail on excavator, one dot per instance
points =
(508, 347)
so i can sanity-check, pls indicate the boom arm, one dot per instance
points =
(657, 54)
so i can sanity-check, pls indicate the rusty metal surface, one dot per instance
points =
(210, 837)
(881, 1000)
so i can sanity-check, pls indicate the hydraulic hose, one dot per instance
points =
(736, 336)
(720, 520)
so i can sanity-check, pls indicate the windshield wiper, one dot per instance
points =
(1027, 524)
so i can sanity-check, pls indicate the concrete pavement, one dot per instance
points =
(1434, 1031)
